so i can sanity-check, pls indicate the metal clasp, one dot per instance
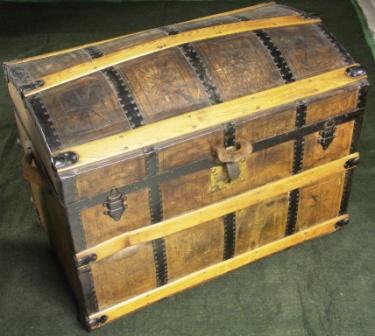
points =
(327, 134)
(115, 204)
(232, 155)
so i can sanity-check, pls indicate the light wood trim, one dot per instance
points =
(212, 116)
(215, 210)
(63, 51)
(163, 43)
(216, 270)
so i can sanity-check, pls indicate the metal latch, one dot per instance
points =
(327, 134)
(115, 204)
(231, 156)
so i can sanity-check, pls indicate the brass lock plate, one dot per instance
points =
(220, 179)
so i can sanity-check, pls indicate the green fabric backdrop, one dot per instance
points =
(323, 287)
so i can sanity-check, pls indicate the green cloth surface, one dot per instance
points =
(323, 287)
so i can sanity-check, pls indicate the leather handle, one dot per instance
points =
(234, 153)
(29, 171)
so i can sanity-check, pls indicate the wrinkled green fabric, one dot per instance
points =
(323, 287)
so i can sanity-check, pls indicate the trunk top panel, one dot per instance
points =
(115, 87)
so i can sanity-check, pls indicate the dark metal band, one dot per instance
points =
(124, 96)
(277, 57)
(346, 192)
(210, 162)
(293, 201)
(229, 135)
(229, 235)
(88, 289)
(292, 212)
(94, 52)
(160, 260)
(361, 102)
(229, 219)
(31, 86)
(202, 72)
(240, 17)
(336, 44)
(301, 109)
(362, 94)
(354, 147)
(45, 121)
(119, 83)
(156, 206)
(156, 212)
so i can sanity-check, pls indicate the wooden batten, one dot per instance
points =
(182, 125)
(214, 271)
(215, 210)
(163, 43)
(98, 43)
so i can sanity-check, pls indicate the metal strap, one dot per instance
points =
(45, 121)
(296, 168)
(361, 102)
(277, 57)
(125, 97)
(202, 72)
(156, 212)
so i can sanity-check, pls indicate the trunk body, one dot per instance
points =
(165, 158)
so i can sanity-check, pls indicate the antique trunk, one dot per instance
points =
(165, 158)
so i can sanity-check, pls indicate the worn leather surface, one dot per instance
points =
(324, 287)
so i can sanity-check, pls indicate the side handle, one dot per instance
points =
(30, 172)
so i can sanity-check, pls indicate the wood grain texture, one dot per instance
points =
(123, 275)
(315, 155)
(319, 201)
(306, 50)
(196, 248)
(261, 166)
(336, 103)
(84, 69)
(99, 227)
(174, 127)
(190, 149)
(238, 73)
(216, 270)
(84, 110)
(164, 85)
(215, 210)
(258, 169)
(114, 174)
(155, 115)
(261, 223)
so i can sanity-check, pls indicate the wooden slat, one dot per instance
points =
(163, 43)
(216, 270)
(215, 210)
(64, 51)
(212, 116)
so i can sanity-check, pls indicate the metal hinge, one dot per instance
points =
(341, 223)
(115, 204)
(351, 163)
(356, 71)
(64, 159)
(95, 322)
(28, 87)
(327, 134)
(85, 260)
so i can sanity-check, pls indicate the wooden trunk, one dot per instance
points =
(162, 159)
